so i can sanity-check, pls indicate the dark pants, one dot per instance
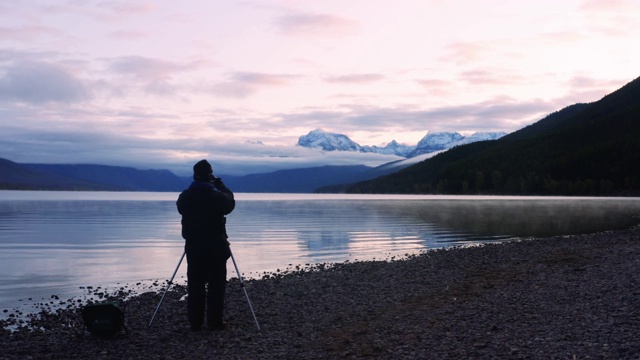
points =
(206, 283)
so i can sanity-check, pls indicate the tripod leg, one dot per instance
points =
(167, 289)
(246, 294)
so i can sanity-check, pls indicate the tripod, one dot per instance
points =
(167, 289)
(246, 294)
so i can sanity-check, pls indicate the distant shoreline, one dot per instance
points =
(560, 296)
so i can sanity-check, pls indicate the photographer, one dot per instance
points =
(203, 207)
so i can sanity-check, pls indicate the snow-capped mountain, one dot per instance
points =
(392, 148)
(479, 136)
(435, 141)
(328, 141)
(432, 142)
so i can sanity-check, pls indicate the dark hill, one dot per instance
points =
(116, 177)
(304, 180)
(14, 176)
(584, 149)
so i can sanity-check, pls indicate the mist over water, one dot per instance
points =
(53, 243)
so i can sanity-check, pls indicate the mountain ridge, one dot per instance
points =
(116, 177)
(14, 176)
(92, 177)
(584, 149)
(431, 142)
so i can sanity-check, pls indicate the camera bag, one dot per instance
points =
(104, 319)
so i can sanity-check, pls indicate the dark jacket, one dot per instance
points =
(203, 207)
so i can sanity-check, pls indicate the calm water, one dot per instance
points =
(53, 243)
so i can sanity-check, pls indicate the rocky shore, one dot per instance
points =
(550, 298)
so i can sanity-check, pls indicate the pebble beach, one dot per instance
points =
(563, 297)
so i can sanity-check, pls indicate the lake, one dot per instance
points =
(57, 243)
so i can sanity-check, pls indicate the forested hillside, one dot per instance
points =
(14, 176)
(584, 149)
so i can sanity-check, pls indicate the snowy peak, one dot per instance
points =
(327, 141)
(439, 139)
(392, 148)
(435, 141)
(479, 136)
(432, 142)
(482, 136)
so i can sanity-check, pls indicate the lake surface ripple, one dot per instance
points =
(54, 243)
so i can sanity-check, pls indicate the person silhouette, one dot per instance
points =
(203, 207)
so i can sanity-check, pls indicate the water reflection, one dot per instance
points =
(524, 218)
(337, 230)
(56, 245)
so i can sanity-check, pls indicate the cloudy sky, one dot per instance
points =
(162, 83)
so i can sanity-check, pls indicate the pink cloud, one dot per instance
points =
(103, 11)
(128, 35)
(244, 84)
(582, 89)
(315, 24)
(615, 18)
(39, 83)
(129, 8)
(437, 87)
(255, 78)
(564, 36)
(488, 77)
(155, 76)
(354, 78)
(27, 33)
(146, 68)
(464, 52)
(590, 82)
(609, 5)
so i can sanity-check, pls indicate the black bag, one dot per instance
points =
(104, 319)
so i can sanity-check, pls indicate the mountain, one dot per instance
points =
(14, 176)
(88, 177)
(433, 141)
(305, 180)
(85, 177)
(382, 170)
(584, 149)
(436, 141)
(122, 178)
(328, 141)
(113, 178)
(392, 148)
(478, 136)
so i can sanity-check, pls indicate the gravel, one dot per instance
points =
(561, 297)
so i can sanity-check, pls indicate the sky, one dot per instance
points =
(162, 84)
